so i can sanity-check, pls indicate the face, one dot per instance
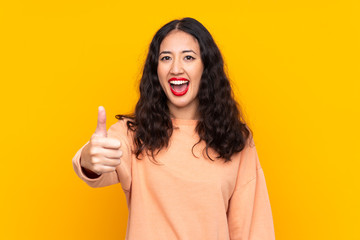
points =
(179, 72)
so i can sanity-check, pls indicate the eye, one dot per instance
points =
(189, 57)
(165, 58)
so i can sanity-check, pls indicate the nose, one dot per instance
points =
(176, 67)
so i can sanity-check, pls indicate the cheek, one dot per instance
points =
(161, 72)
(162, 78)
(198, 71)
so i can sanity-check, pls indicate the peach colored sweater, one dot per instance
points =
(189, 197)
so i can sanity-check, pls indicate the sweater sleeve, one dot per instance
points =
(122, 172)
(249, 213)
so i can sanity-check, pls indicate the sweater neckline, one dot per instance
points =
(179, 121)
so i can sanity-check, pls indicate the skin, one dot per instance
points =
(179, 56)
(101, 154)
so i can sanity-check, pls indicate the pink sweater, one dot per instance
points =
(189, 197)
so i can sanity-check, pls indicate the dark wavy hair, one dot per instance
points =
(221, 124)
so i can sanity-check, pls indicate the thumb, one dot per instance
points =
(101, 123)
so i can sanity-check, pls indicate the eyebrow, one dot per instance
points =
(169, 52)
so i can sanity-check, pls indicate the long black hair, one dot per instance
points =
(221, 124)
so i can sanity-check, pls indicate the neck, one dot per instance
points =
(187, 113)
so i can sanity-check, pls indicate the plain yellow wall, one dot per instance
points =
(295, 71)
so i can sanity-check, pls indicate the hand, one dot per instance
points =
(101, 154)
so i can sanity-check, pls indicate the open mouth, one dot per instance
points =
(179, 87)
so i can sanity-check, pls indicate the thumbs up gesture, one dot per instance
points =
(101, 154)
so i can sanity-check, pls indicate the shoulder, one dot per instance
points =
(250, 154)
(120, 128)
(121, 123)
(249, 161)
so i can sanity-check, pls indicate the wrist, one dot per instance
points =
(88, 173)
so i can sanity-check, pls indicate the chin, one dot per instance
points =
(179, 105)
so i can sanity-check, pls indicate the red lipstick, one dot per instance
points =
(179, 86)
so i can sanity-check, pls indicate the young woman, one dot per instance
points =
(185, 159)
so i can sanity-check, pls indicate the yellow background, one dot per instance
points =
(294, 67)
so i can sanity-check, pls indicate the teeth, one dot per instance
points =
(178, 82)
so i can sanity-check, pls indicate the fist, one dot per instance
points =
(101, 154)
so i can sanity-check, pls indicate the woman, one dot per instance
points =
(185, 159)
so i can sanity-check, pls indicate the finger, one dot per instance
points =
(98, 152)
(112, 154)
(110, 143)
(110, 162)
(103, 169)
(101, 123)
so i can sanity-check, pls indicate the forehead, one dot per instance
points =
(177, 41)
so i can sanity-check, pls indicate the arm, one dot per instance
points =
(249, 213)
(122, 173)
(93, 180)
